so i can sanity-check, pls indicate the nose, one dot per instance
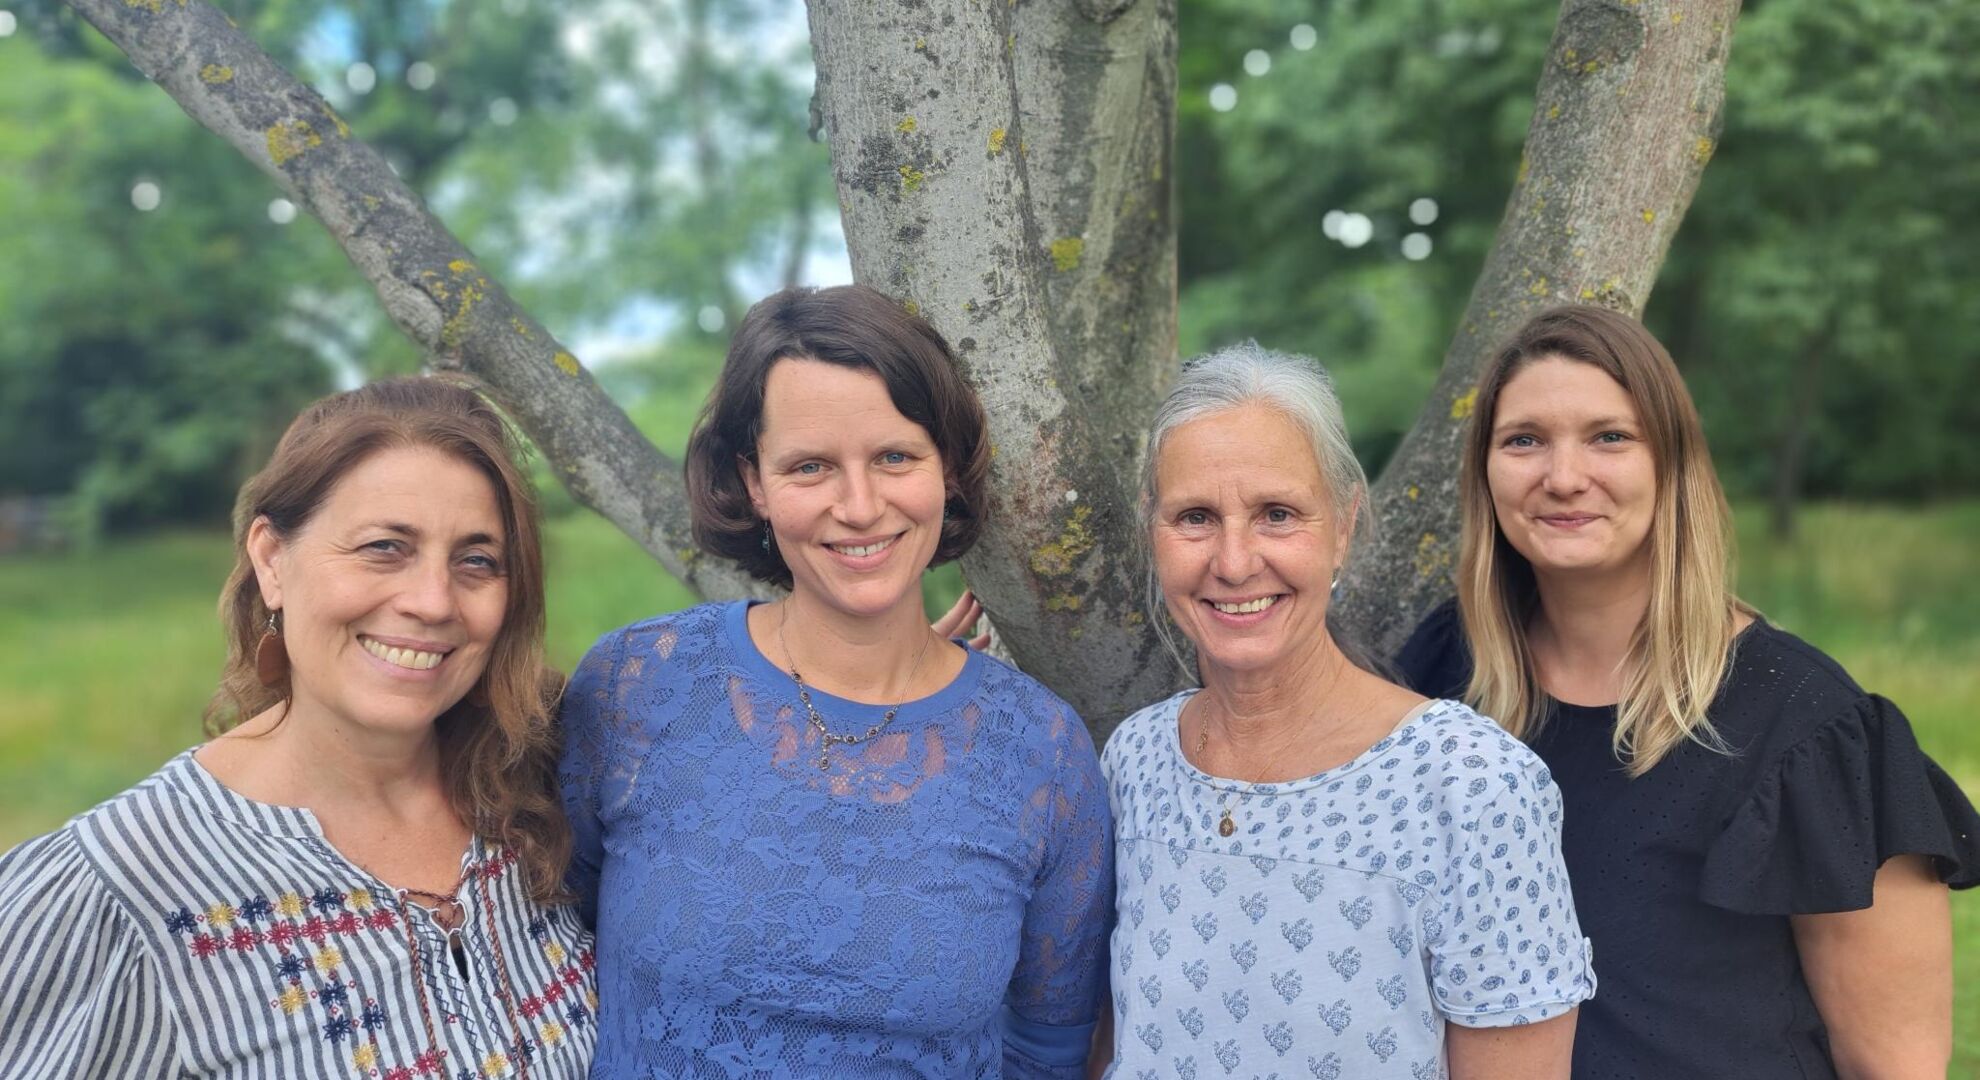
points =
(1236, 558)
(1567, 473)
(428, 591)
(859, 500)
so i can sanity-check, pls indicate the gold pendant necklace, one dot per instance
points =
(1225, 826)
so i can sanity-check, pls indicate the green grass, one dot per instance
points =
(106, 658)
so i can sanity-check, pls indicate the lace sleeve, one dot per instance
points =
(590, 714)
(1056, 990)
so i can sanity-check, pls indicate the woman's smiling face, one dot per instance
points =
(392, 593)
(852, 489)
(1245, 537)
(1573, 481)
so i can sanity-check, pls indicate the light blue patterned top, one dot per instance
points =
(934, 903)
(1349, 916)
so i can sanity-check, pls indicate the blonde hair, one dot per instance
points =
(499, 757)
(1682, 648)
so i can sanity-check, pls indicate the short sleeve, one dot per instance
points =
(81, 995)
(1823, 817)
(592, 715)
(1056, 989)
(1435, 661)
(1509, 949)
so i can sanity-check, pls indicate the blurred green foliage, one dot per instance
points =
(1818, 295)
(601, 157)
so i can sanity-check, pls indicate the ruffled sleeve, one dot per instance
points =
(79, 993)
(1811, 834)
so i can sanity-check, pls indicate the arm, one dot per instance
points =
(78, 993)
(1539, 1051)
(589, 712)
(1882, 977)
(1057, 990)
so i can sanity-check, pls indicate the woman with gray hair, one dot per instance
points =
(1319, 871)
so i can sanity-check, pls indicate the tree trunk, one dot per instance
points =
(429, 283)
(1625, 118)
(1004, 239)
(1004, 169)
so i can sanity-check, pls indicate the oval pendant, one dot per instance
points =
(1226, 827)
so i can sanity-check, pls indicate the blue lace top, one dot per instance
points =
(934, 903)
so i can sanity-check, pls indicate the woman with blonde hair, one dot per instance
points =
(1759, 849)
(361, 874)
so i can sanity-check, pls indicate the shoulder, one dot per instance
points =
(1472, 758)
(1779, 690)
(1043, 717)
(1436, 660)
(55, 886)
(1141, 731)
(698, 625)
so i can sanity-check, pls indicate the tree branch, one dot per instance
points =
(429, 283)
(1625, 118)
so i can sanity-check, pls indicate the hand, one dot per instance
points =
(961, 620)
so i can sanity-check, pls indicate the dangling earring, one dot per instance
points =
(1334, 586)
(766, 534)
(271, 656)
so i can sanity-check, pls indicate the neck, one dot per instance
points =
(874, 659)
(308, 757)
(1582, 630)
(1259, 714)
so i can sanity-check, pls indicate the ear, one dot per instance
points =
(1344, 529)
(263, 545)
(752, 479)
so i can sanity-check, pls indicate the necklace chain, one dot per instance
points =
(827, 738)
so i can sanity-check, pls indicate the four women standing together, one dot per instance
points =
(816, 838)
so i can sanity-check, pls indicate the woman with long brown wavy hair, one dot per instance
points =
(1759, 850)
(361, 873)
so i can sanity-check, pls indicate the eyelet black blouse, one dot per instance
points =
(1684, 877)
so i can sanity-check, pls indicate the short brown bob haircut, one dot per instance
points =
(854, 326)
(499, 745)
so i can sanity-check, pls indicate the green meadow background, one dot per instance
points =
(106, 658)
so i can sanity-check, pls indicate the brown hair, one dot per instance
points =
(854, 326)
(499, 759)
(1682, 648)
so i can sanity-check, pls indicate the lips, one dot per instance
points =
(1567, 521)
(859, 549)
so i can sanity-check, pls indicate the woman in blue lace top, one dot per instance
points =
(815, 838)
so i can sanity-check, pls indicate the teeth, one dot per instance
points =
(1248, 607)
(863, 549)
(405, 658)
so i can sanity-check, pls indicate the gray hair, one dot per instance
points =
(1249, 374)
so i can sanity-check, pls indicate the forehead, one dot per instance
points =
(809, 399)
(1556, 388)
(427, 489)
(1245, 450)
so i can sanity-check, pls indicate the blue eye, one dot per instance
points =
(1522, 441)
(1611, 437)
(894, 457)
(1278, 515)
(809, 468)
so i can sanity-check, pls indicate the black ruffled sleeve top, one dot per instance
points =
(1684, 877)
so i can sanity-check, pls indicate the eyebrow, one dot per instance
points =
(409, 531)
(1596, 422)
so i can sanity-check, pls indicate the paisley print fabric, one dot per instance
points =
(1350, 916)
(932, 903)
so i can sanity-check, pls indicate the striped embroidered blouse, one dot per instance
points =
(182, 930)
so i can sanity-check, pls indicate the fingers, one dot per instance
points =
(960, 618)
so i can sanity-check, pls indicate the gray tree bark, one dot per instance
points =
(1004, 242)
(1625, 118)
(430, 285)
(1004, 169)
